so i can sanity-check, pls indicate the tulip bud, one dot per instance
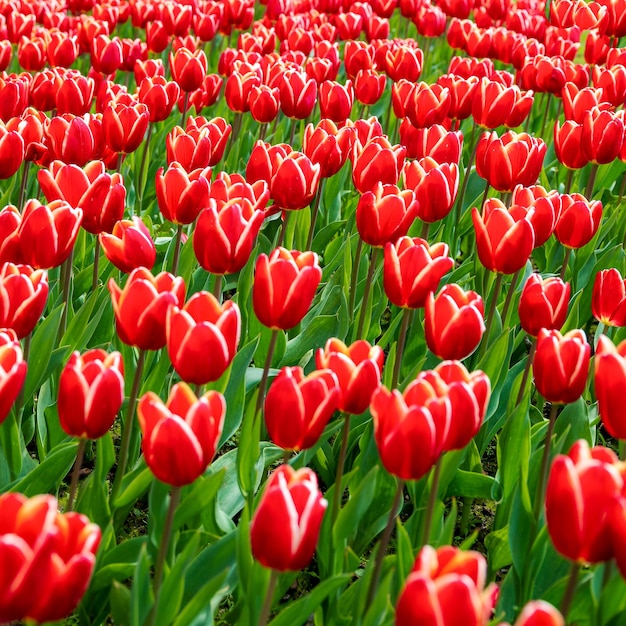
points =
(286, 525)
(539, 613)
(610, 385)
(129, 246)
(12, 372)
(543, 304)
(579, 220)
(294, 182)
(378, 161)
(181, 195)
(608, 302)
(188, 68)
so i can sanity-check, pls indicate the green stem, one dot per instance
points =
(570, 590)
(142, 167)
(591, 181)
(355, 276)
(490, 315)
(622, 189)
(266, 369)
(316, 208)
(217, 287)
(509, 298)
(485, 194)
(283, 230)
(384, 542)
(128, 424)
(545, 114)
(545, 461)
(19, 402)
(96, 264)
(269, 597)
(425, 230)
(397, 366)
(366, 293)
(163, 549)
(529, 362)
(568, 254)
(461, 198)
(568, 180)
(22, 196)
(185, 107)
(80, 453)
(341, 461)
(432, 500)
(179, 238)
(67, 277)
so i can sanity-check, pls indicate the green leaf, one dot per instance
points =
(141, 593)
(200, 497)
(118, 563)
(85, 321)
(199, 610)
(313, 336)
(498, 549)
(470, 485)
(248, 450)
(134, 485)
(119, 599)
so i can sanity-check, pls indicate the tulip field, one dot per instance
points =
(312, 312)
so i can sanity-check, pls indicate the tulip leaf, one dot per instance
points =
(470, 485)
(141, 599)
(85, 321)
(119, 599)
(93, 497)
(299, 611)
(521, 526)
(118, 563)
(134, 484)
(313, 336)
(200, 496)
(200, 609)
(575, 422)
(248, 449)
(13, 448)
(498, 549)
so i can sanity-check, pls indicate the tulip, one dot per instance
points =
(11, 152)
(141, 307)
(202, 327)
(106, 54)
(264, 103)
(378, 161)
(434, 142)
(129, 246)
(284, 287)
(358, 368)
(180, 437)
(385, 214)
(217, 130)
(188, 68)
(327, 146)
(462, 92)
(181, 195)
(91, 392)
(561, 365)
(428, 105)
(48, 232)
(454, 322)
(369, 86)
(336, 100)
(437, 577)
(227, 187)
(298, 407)
(74, 94)
(504, 238)
(286, 524)
(298, 94)
(295, 182)
(125, 126)
(581, 488)
(602, 136)
(47, 556)
(608, 303)
(543, 304)
(159, 96)
(12, 373)
(23, 294)
(413, 269)
(579, 220)
(610, 385)
(70, 139)
(264, 161)
(404, 63)
(492, 104)
(10, 220)
(568, 144)
(539, 613)
(225, 235)
(238, 89)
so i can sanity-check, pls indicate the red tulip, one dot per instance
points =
(10, 220)
(70, 139)
(602, 136)
(610, 385)
(539, 613)
(11, 152)
(129, 246)
(369, 86)
(328, 146)
(125, 126)
(180, 437)
(286, 524)
(446, 587)
(561, 364)
(47, 556)
(608, 303)
(298, 407)
(182, 195)
(358, 368)
(581, 491)
(238, 89)
(202, 327)
(543, 304)
(428, 105)
(12, 375)
(159, 96)
(284, 287)
(188, 68)
(412, 269)
(434, 142)
(264, 103)
(493, 103)
(264, 161)
(227, 187)
(74, 94)
(106, 54)
(378, 161)
(454, 322)
(294, 182)
(336, 100)
(579, 220)
(91, 392)
(141, 307)
(298, 94)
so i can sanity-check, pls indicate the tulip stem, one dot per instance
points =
(142, 167)
(269, 597)
(591, 181)
(67, 276)
(490, 315)
(217, 287)
(266, 370)
(529, 362)
(185, 107)
(163, 548)
(509, 298)
(78, 464)
(461, 198)
(384, 542)
(425, 229)
(622, 189)
(404, 327)
(545, 114)
(25, 171)
(316, 208)
(570, 590)
(96, 264)
(432, 499)
(568, 181)
(568, 254)
(355, 276)
(128, 424)
(366, 293)
(485, 194)
(545, 460)
(179, 238)
(341, 461)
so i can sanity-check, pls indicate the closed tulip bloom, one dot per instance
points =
(70, 139)
(12, 374)
(504, 239)
(413, 269)
(91, 392)
(202, 327)
(492, 104)
(125, 126)
(446, 587)
(141, 307)
(182, 195)
(435, 186)
(539, 613)
(106, 54)
(434, 142)
(284, 286)
(568, 144)
(602, 136)
(581, 489)
(47, 556)
(428, 105)
(264, 161)
(543, 304)
(298, 94)
(218, 131)
(579, 220)
(129, 246)
(227, 187)
(610, 385)
(608, 303)
(180, 437)
(11, 152)
(10, 220)
(561, 364)
(264, 103)
(295, 181)
(298, 407)
(188, 68)
(74, 94)
(238, 89)
(378, 161)
(285, 526)
(328, 146)
(454, 322)
(225, 235)
(159, 95)
(358, 368)
(336, 100)
(23, 295)
(369, 86)
(385, 214)
(48, 232)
